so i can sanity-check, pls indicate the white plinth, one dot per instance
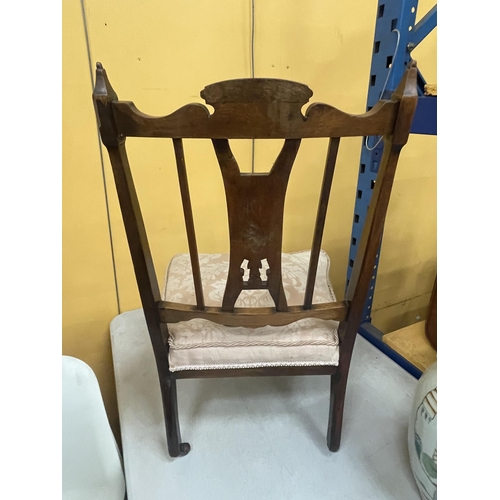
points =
(263, 437)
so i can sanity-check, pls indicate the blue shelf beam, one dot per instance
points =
(425, 119)
(422, 29)
(396, 34)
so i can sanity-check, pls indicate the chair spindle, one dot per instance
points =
(188, 219)
(331, 159)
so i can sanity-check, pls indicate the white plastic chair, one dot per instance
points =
(91, 462)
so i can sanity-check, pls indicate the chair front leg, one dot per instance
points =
(169, 396)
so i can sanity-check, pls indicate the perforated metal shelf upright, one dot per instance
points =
(396, 35)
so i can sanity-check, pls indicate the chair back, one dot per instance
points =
(257, 108)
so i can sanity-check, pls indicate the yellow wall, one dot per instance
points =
(160, 55)
(89, 296)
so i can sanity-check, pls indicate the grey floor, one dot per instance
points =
(263, 438)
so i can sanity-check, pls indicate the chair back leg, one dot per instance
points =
(338, 386)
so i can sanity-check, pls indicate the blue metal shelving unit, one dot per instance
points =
(396, 35)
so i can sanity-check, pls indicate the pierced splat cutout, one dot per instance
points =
(264, 270)
(245, 270)
(254, 275)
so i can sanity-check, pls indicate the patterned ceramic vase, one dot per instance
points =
(422, 434)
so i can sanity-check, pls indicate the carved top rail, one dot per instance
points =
(253, 108)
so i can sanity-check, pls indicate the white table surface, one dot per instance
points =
(263, 437)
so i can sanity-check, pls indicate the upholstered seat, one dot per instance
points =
(200, 344)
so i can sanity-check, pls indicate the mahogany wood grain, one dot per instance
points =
(255, 205)
(331, 158)
(189, 221)
(251, 122)
(277, 371)
(252, 317)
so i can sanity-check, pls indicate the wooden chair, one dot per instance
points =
(310, 333)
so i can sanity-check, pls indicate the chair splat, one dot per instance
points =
(255, 204)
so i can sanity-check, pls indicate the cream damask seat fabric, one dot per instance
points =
(200, 344)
